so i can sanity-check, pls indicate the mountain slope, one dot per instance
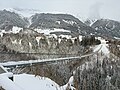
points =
(9, 19)
(59, 21)
(106, 27)
(43, 21)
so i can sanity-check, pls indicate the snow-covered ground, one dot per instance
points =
(69, 22)
(32, 82)
(48, 31)
(14, 30)
(104, 46)
(7, 84)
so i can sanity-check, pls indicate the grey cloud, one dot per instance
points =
(94, 12)
(82, 8)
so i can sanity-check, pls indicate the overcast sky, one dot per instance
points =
(81, 8)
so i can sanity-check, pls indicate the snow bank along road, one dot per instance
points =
(32, 62)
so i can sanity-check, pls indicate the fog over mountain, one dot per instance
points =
(79, 8)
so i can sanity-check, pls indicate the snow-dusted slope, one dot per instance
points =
(106, 27)
(7, 84)
(48, 31)
(14, 30)
(90, 22)
(104, 46)
(32, 82)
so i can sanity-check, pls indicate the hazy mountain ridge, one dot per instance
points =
(102, 27)
(8, 18)
(60, 21)
(45, 21)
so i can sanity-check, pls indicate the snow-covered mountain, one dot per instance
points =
(9, 19)
(90, 22)
(47, 21)
(60, 21)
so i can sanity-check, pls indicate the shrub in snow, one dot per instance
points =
(1, 88)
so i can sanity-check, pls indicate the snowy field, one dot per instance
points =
(31, 82)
